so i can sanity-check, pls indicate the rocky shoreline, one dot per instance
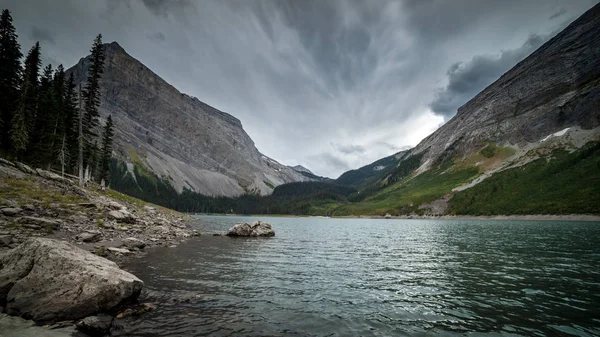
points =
(52, 230)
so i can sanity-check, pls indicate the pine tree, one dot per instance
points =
(41, 135)
(57, 136)
(106, 152)
(23, 118)
(71, 125)
(10, 75)
(91, 98)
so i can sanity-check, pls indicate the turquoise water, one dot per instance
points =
(363, 277)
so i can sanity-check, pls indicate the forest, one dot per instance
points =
(46, 120)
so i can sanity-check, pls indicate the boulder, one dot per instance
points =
(51, 280)
(134, 243)
(24, 168)
(115, 205)
(52, 176)
(5, 240)
(11, 211)
(121, 216)
(6, 162)
(119, 250)
(37, 223)
(98, 325)
(257, 228)
(89, 236)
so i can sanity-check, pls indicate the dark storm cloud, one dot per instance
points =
(467, 79)
(41, 35)
(164, 7)
(330, 84)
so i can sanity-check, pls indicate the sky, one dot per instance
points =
(330, 85)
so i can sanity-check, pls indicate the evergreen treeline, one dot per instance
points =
(293, 198)
(43, 121)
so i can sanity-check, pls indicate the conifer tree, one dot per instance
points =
(106, 152)
(23, 118)
(57, 135)
(10, 75)
(71, 125)
(40, 137)
(91, 99)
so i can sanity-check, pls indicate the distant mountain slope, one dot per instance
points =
(376, 169)
(178, 138)
(546, 107)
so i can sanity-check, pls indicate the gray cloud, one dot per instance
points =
(41, 35)
(467, 79)
(158, 36)
(349, 149)
(303, 76)
(165, 7)
(331, 160)
(560, 13)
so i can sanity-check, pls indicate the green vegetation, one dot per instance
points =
(568, 183)
(407, 194)
(24, 191)
(489, 151)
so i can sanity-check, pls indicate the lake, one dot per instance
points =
(375, 277)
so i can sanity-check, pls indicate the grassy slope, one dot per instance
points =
(568, 183)
(407, 194)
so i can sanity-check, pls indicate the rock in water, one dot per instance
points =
(50, 280)
(95, 325)
(257, 228)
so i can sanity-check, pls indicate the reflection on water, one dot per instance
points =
(341, 277)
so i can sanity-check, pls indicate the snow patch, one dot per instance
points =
(556, 134)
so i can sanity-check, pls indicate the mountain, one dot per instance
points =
(300, 168)
(528, 143)
(372, 171)
(176, 138)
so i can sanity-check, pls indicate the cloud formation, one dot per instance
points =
(467, 79)
(331, 85)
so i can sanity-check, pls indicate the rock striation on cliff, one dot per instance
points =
(179, 138)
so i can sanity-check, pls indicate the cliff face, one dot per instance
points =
(556, 87)
(178, 137)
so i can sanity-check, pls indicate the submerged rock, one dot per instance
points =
(51, 280)
(98, 325)
(257, 228)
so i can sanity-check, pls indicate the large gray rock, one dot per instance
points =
(257, 228)
(51, 280)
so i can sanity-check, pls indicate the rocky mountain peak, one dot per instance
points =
(179, 138)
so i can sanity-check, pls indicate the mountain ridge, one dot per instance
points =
(177, 137)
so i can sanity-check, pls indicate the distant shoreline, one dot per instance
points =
(531, 217)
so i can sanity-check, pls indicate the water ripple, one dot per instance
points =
(333, 277)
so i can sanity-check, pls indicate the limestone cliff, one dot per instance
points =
(178, 137)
